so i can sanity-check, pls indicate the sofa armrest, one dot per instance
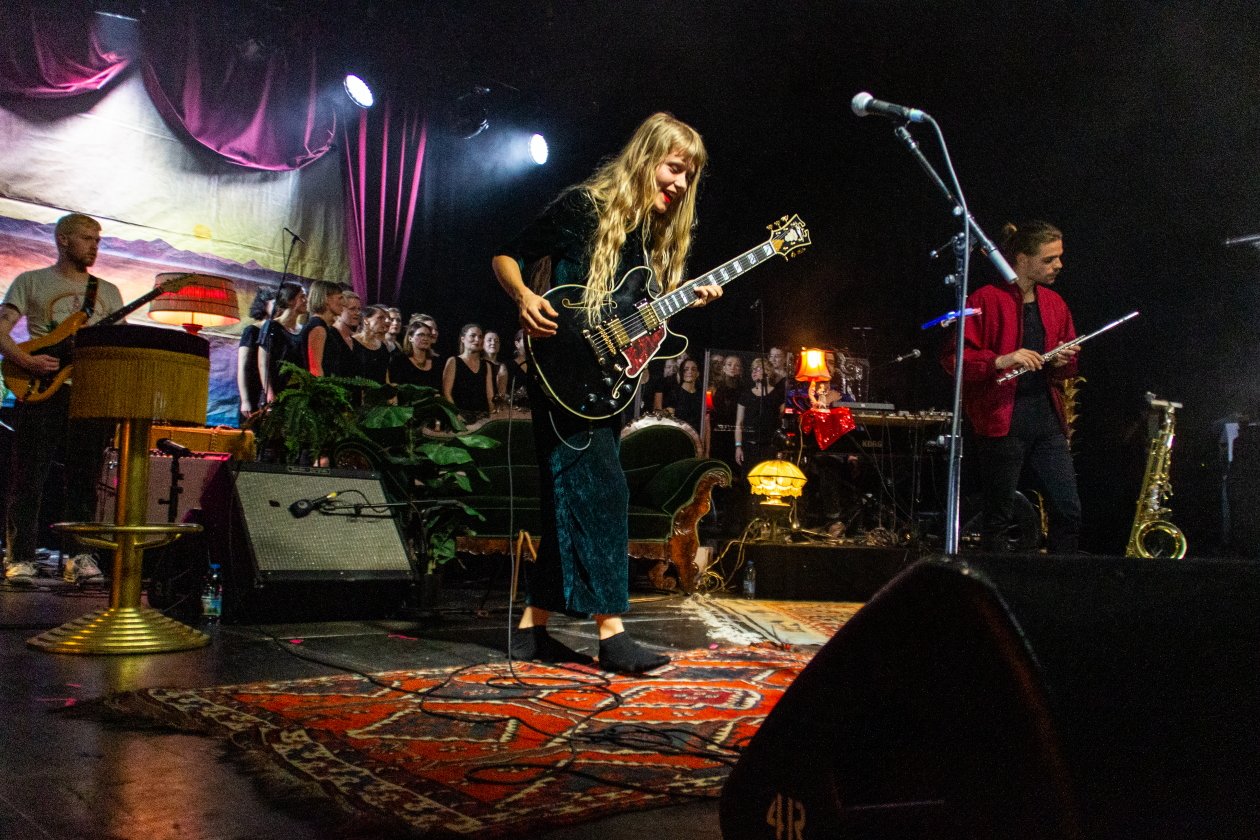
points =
(675, 485)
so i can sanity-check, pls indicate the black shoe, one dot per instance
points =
(535, 644)
(622, 654)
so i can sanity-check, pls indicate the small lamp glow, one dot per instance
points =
(813, 369)
(776, 479)
(203, 301)
(538, 149)
(358, 91)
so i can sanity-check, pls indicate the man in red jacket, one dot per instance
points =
(1021, 421)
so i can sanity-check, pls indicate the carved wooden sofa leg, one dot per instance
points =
(684, 542)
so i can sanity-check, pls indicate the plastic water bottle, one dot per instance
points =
(212, 595)
(750, 580)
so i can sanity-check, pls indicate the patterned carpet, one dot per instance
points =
(471, 753)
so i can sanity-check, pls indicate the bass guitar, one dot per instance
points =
(592, 369)
(59, 343)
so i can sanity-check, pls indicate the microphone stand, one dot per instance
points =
(962, 255)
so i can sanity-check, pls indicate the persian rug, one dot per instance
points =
(476, 753)
(786, 622)
(823, 617)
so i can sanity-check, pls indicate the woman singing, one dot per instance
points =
(637, 209)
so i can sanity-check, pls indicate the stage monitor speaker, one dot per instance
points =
(353, 536)
(297, 554)
(1021, 696)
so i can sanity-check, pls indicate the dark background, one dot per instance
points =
(1130, 125)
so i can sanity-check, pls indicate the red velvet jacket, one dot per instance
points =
(996, 331)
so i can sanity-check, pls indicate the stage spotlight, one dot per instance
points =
(471, 112)
(538, 149)
(358, 91)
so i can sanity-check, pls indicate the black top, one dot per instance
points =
(761, 413)
(373, 364)
(253, 380)
(1034, 414)
(687, 405)
(469, 390)
(338, 358)
(403, 372)
(1033, 382)
(282, 346)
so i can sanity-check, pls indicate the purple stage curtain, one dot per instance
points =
(50, 53)
(258, 104)
(384, 159)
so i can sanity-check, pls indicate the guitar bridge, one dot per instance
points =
(603, 341)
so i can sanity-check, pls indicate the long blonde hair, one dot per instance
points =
(624, 189)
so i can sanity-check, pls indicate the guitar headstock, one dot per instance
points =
(789, 236)
(172, 282)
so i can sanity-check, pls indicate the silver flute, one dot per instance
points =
(1050, 354)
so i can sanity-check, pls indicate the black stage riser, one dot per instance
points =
(1022, 696)
(315, 567)
(787, 572)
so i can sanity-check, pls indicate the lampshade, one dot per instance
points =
(776, 479)
(203, 301)
(813, 367)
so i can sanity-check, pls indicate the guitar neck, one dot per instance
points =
(667, 306)
(118, 315)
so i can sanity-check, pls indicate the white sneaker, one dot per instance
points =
(20, 574)
(81, 568)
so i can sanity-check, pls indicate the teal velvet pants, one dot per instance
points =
(583, 567)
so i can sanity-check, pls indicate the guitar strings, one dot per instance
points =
(635, 324)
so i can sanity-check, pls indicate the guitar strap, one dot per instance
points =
(89, 299)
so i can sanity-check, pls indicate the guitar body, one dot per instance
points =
(26, 386)
(583, 374)
(593, 369)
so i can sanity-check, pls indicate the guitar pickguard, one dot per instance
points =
(641, 351)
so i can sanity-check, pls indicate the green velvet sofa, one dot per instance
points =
(670, 490)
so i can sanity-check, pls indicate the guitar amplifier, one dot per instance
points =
(201, 485)
(239, 443)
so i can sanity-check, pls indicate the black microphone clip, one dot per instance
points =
(296, 238)
(303, 507)
(169, 447)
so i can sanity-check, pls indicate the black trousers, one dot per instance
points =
(45, 440)
(1036, 439)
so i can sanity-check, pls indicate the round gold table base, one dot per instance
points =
(120, 630)
(125, 626)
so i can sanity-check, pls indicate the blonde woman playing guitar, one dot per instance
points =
(636, 210)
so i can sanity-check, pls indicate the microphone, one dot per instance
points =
(295, 236)
(756, 304)
(169, 447)
(303, 507)
(913, 354)
(864, 105)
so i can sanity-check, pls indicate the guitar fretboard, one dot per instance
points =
(666, 306)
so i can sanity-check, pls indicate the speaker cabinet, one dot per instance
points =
(311, 543)
(788, 572)
(1021, 697)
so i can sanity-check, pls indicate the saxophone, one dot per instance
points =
(1153, 535)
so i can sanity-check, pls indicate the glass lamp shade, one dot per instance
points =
(813, 367)
(776, 479)
(205, 301)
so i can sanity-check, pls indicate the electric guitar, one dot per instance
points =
(593, 369)
(59, 343)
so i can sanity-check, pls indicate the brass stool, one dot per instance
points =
(132, 375)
